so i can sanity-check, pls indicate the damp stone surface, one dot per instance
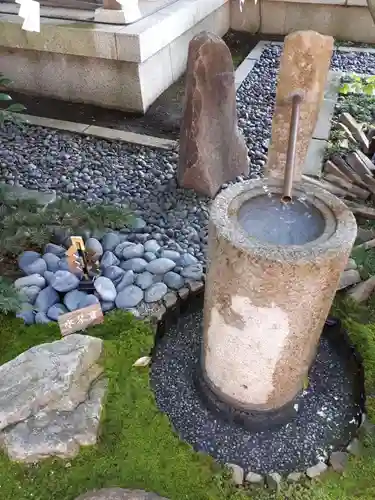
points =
(327, 415)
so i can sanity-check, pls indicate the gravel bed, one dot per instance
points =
(327, 414)
(94, 170)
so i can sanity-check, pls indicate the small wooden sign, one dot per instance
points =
(80, 320)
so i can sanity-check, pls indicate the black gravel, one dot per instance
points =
(99, 171)
(326, 420)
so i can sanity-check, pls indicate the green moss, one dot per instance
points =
(137, 447)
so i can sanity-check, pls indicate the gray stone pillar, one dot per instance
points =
(266, 300)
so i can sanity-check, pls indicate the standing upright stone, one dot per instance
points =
(303, 69)
(212, 149)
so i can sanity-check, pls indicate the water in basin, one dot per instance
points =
(269, 220)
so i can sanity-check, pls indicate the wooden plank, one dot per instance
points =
(81, 319)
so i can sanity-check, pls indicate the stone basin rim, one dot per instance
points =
(340, 221)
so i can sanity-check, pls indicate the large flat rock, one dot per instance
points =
(119, 494)
(55, 433)
(51, 399)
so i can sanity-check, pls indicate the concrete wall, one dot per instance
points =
(342, 19)
(118, 67)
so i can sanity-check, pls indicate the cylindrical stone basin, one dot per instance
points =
(272, 275)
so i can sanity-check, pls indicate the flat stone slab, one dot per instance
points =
(57, 433)
(119, 494)
(21, 193)
(51, 399)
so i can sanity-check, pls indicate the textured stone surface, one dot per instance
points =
(237, 474)
(57, 433)
(119, 494)
(339, 460)
(265, 305)
(273, 481)
(316, 470)
(349, 278)
(303, 68)
(212, 149)
(48, 402)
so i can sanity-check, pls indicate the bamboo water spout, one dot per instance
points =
(291, 151)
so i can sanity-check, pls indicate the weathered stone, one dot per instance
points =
(152, 246)
(144, 280)
(362, 292)
(64, 281)
(245, 297)
(183, 293)
(109, 259)
(137, 265)
(195, 286)
(110, 241)
(52, 261)
(338, 461)
(237, 474)
(57, 433)
(114, 273)
(41, 318)
(355, 129)
(303, 68)
(118, 251)
(156, 292)
(46, 298)
(187, 260)
(29, 293)
(173, 280)
(364, 235)
(55, 249)
(73, 299)
(53, 376)
(27, 315)
(346, 170)
(133, 251)
(212, 149)
(126, 280)
(349, 278)
(88, 300)
(31, 280)
(95, 247)
(170, 300)
(316, 470)
(38, 266)
(254, 478)
(119, 494)
(129, 297)
(355, 448)
(193, 272)
(56, 310)
(351, 265)
(355, 160)
(160, 266)
(294, 477)
(170, 254)
(105, 288)
(273, 481)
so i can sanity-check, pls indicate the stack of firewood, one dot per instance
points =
(351, 177)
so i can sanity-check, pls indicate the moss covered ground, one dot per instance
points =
(137, 447)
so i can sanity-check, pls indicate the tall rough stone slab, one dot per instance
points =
(303, 69)
(212, 149)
